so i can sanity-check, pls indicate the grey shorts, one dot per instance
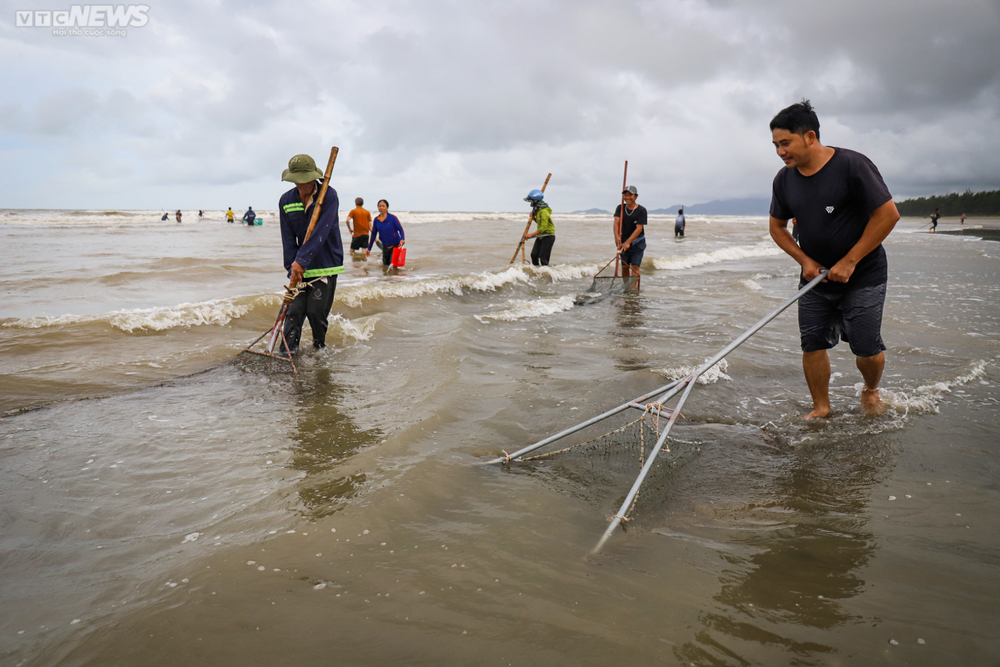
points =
(854, 316)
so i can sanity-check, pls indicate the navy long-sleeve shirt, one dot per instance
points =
(323, 253)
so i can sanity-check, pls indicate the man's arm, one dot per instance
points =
(326, 225)
(883, 219)
(618, 231)
(635, 234)
(781, 235)
(350, 217)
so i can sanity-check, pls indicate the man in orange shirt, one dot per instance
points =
(362, 226)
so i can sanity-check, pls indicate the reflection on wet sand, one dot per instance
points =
(628, 333)
(322, 439)
(807, 544)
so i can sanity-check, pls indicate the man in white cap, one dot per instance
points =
(629, 235)
(317, 261)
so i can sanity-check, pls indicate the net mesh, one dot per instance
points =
(614, 284)
(602, 464)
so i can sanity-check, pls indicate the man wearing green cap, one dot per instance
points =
(317, 261)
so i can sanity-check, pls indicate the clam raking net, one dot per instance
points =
(619, 444)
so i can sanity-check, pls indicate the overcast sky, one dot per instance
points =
(466, 105)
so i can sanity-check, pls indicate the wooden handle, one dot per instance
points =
(322, 193)
(621, 213)
(531, 216)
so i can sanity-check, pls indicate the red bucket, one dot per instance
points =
(399, 257)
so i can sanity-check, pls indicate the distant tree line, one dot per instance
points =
(969, 203)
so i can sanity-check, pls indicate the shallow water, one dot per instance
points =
(165, 504)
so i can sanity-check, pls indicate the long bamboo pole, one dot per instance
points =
(621, 218)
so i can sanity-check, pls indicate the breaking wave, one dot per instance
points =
(520, 309)
(763, 249)
(217, 311)
(925, 399)
(222, 311)
(356, 295)
(360, 329)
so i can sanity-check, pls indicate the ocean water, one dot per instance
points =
(166, 501)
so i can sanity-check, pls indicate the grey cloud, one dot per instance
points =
(435, 98)
(918, 55)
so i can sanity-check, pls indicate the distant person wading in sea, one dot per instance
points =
(359, 224)
(249, 216)
(844, 212)
(679, 223)
(545, 230)
(387, 228)
(230, 216)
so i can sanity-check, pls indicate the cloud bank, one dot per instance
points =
(466, 106)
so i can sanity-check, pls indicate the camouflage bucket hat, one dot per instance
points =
(301, 169)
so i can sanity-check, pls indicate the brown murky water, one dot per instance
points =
(165, 505)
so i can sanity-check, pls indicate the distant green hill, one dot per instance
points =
(953, 205)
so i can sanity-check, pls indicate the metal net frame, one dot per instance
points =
(682, 387)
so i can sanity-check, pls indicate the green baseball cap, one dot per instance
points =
(301, 169)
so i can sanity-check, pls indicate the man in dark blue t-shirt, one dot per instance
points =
(844, 211)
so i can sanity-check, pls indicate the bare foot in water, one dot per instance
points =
(819, 413)
(871, 404)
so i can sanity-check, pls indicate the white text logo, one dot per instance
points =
(89, 20)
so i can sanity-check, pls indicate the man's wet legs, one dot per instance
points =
(816, 366)
(314, 303)
(871, 370)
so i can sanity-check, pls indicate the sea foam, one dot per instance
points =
(763, 249)
(925, 398)
(216, 311)
(360, 329)
(520, 309)
(355, 295)
(711, 376)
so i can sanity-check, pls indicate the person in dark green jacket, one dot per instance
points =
(545, 231)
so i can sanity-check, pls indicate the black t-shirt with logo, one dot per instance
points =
(832, 208)
(630, 221)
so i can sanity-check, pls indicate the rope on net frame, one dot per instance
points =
(276, 332)
(685, 385)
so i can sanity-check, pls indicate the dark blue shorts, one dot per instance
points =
(854, 316)
(633, 256)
